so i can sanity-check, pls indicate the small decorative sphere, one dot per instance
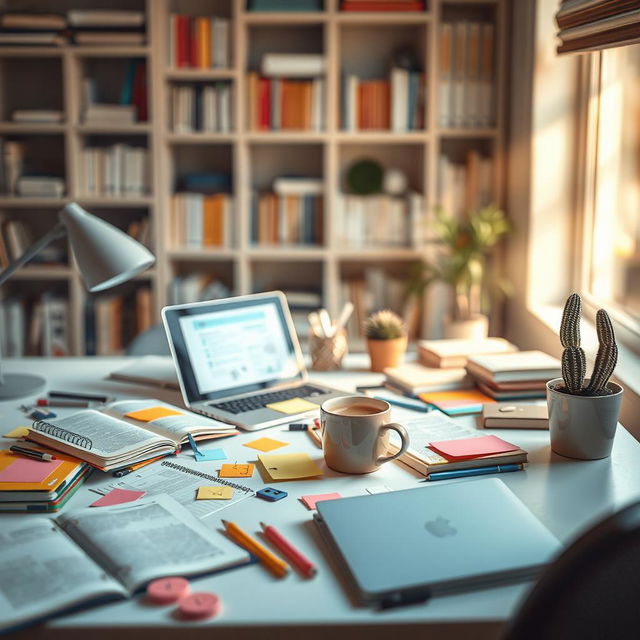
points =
(395, 182)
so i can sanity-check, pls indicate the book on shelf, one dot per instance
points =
(198, 42)
(284, 104)
(105, 18)
(301, 303)
(284, 5)
(413, 378)
(31, 38)
(16, 237)
(456, 352)
(125, 432)
(40, 187)
(119, 170)
(11, 165)
(28, 116)
(293, 65)
(140, 230)
(382, 5)
(33, 21)
(518, 367)
(466, 75)
(107, 27)
(103, 38)
(201, 107)
(97, 555)
(197, 287)
(110, 114)
(298, 186)
(505, 392)
(199, 220)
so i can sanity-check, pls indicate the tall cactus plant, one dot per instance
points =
(573, 358)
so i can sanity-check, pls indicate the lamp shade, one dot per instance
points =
(105, 255)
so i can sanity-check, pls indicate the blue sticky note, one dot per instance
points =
(210, 456)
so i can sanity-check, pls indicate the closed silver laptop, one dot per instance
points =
(406, 546)
(238, 357)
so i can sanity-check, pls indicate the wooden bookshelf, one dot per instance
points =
(251, 157)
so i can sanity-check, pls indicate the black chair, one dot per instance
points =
(591, 591)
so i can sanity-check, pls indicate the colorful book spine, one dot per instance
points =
(199, 42)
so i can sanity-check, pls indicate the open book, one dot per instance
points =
(94, 555)
(125, 432)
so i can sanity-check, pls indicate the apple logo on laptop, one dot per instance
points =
(440, 527)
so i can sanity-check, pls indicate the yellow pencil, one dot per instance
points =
(277, 566)
(314, 432)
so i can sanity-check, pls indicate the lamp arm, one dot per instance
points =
(57, 232)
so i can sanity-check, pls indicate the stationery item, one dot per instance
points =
(466, 448)
(344, 316)
(40, 414)
(515, 367)
(314, 434)
(413, 378)
(134, 467)
(294, 555)
(327, 353)
(452, 353)
(156, 371)
(167, 590)
(398, 400)
(215, 493)
(236, 470)
(271, 495)
(373, 490)
(311, 501)
(355, 434)
(466, 473)
(509, 416)
(449, 537)
(28, 470)
(289, 466)
(294, 405)
(199, 606)
(325, 323)
(32, 453)
(278, 567)
(78, 396)
(110, 549)
(18, 432)
(455, 403)
(93, 434)
(509, 391)
(117, 496)
(210, 455)
(265, 444)
(296, 426)
(77, 404)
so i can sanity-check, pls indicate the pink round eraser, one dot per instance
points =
(167, 590)
(199, 606)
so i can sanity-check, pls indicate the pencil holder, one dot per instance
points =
(327, 353)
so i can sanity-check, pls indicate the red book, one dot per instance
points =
(265, 104)
(139, 97)
(382, 6)
(182, 46)
(193, 43)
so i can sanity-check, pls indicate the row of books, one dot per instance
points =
(120, 170)
(199, 220)
(279, 103)
(466, 75)
(396, 103)
(465, 186)
(197, 287)
(16, 237)
(199, 42)
(382, 220)
(198, 107)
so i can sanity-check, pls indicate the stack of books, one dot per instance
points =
(200, 42)
(455, 353)
(197, 107)
(199, 220)
(510, 376)
(467, 186)
(107, 27)
(38, 186)
(466, 75)
(44, 29)
(412, 379)
(28, 116)
(119, 171)
(197, 287)
(382, 5)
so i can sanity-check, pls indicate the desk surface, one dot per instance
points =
(566, 495)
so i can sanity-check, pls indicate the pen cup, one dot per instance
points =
(327, 353)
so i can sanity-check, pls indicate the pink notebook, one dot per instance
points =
(466, 448)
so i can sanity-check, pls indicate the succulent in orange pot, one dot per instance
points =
(386, 339)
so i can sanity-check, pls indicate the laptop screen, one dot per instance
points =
(233, 346)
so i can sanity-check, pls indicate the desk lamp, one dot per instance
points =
(105, 257)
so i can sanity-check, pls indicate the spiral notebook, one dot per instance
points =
(123, 433)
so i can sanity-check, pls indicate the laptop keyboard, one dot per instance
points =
(251, 403)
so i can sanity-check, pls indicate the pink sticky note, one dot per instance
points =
(311, 501)
(117, 496)
(28, 470)
(472, 447)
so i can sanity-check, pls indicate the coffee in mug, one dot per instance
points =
(356, 410)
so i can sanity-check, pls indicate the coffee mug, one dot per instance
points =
(355, 434)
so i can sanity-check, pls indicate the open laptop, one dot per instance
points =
(406, 546)
(236, 356)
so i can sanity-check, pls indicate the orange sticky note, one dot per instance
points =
(472, 447)
(237, 470)
(152, 413)
(265, 444)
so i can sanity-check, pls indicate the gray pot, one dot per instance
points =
(582, 426)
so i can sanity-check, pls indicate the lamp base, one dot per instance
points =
(18, 385)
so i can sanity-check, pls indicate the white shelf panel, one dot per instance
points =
(279, 253)
(43, 272)
(378, 253)
(208, 254)
(285, 137)
(32, 128)
(383, 17)
(201, 74)
(31, 203)
(31, 52)
(200, 137)
(113, 51)
(141, 128)
(115, 203)
(383, 137)
(284, 17)
(480, 132)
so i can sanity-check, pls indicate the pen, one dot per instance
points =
(135, 467)
(313, 431)
(32, 453)
(77, 396)
(407, 403)
(297, 558)
(278, 567)
(465, 473)
(46, 402)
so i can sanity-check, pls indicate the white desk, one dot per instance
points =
(566, 495)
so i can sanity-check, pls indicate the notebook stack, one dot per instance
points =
(30, 29)
(455, 353)
(107, 27)
(511, 376)
(412, 379)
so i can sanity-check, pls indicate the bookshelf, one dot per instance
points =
(253, 158)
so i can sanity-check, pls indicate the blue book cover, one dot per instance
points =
(412, 102)
(126, 95)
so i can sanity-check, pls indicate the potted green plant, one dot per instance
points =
(462, 249)
(386, 339)
(584, 412)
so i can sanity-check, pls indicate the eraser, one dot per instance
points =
(167, 590)
(38, 414)
(271, 494)
(298, 426)
(199, 606)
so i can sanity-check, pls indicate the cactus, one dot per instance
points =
(384, 325)
(607, 354)
(573, 359)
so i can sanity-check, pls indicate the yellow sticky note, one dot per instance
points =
(289, 466)
(18, 432)
(295, 405)
(237, 470)
(215, 493)
(265, 444)
(152, 413)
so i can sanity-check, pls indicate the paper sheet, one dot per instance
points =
(18, 432)
(311, 501)
(117, 496)
(472, 447)
(289, 466)
(265, 444)
(152, 413)
(236, 470)
(28, 470)
(215, 493)
(295, 405)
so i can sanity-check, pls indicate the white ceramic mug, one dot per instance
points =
(355, 434)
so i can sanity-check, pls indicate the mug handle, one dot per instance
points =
(404, 436)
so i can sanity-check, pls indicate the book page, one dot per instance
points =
(152, 537)
(43, 571)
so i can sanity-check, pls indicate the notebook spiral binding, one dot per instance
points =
(62, 434)
(206, 476)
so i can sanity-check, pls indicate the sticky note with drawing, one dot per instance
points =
(289, 466)
(214, 493)
(236, 470)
